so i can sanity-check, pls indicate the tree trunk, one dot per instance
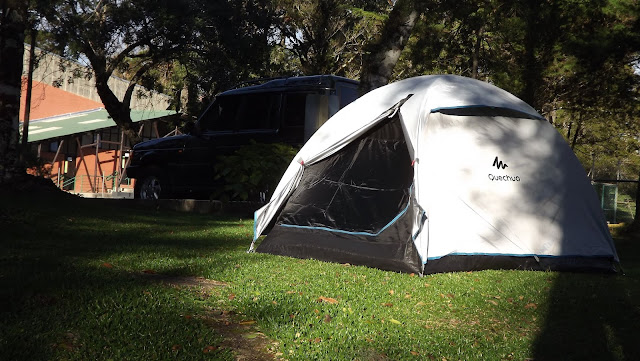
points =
(13, 18)
(27, 103)
(384, 54)
(576, 133)
(119, 112)
(475, 63)
(532, 75)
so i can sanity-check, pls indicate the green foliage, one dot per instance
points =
(325, 37)
(251, 170)
(232, 43)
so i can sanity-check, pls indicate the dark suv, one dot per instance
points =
(284, 110)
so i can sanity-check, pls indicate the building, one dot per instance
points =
(79, 147)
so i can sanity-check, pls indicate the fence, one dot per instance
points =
(608, 196)
(91, 184)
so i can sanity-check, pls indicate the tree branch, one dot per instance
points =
(126, 101)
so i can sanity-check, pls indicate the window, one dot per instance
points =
(347, 94)
(242, 112)
(294, 110)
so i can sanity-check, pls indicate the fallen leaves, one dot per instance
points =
(70, 342)
(209, 349)
(531, 306)
(330, 300)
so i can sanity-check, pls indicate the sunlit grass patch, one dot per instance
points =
(78, 281)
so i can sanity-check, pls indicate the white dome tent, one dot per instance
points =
(437, 174)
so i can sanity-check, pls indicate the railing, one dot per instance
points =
(90, 184)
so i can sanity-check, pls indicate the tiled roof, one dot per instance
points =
(48, 101)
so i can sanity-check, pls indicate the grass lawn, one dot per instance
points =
(80, 280)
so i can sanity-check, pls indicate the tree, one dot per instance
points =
(326, 36)
(232, 43)
(462, 38)
(13, 17)
(383, 54)
(120, 37)
(592, 78)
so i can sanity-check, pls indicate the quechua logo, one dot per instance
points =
(499, 164)
(502, 177)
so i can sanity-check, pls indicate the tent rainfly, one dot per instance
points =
(438, 174)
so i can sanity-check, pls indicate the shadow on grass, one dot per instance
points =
(53, 309)
(60, 299)
(594, 317)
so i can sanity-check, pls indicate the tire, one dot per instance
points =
(149, 188)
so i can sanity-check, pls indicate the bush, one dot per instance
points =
(253, 171)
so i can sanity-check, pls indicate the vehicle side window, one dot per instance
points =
(347, 94)
(258, 111)
(242, 112)
(294, 109)
(216, 118)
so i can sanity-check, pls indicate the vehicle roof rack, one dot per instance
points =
(257, 81)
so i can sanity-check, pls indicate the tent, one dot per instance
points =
(438, 174)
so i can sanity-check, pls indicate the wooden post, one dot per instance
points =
(119, 168)
(155, 129)
(57, 153)
(635, 226)
(86, 168)
(124, 171)
(95, 170)
(54, 160)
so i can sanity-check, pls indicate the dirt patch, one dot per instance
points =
(183, 281)
(240, 335)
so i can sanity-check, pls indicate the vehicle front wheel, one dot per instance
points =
(149, 188)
